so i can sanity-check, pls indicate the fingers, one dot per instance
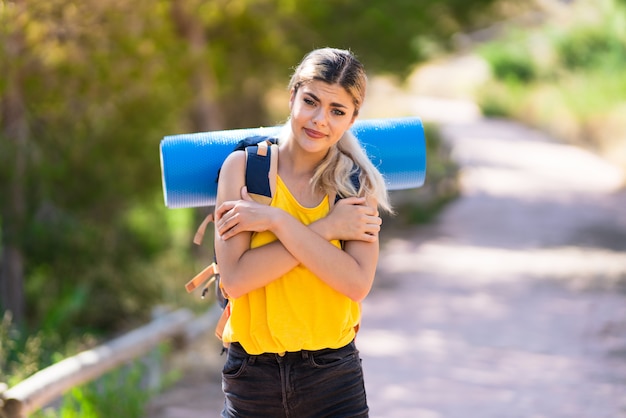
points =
(223, 208)
(354, 200)
(227, 215)
(366, 237)
(354, 219)
(374, 219)
(361, 203)
(369, 238)
(227, 219)
(370, 228)
(238, 216)
(371, 223)
(373, 228)
(225, 227)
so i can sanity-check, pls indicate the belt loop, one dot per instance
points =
(305, 354)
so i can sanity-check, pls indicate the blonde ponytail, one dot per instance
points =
(334, 172)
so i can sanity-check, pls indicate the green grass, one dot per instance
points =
(123, 392)
(567, 80)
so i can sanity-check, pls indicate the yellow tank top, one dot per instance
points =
(297, 311)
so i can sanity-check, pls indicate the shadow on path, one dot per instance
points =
(514, 303)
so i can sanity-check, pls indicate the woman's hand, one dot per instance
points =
(235, 216)
(351, 219)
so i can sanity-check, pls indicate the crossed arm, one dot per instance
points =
(349, 271)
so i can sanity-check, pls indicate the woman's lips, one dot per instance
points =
(314, 134)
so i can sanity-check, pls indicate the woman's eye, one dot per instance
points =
(338, 112)
(310, 102)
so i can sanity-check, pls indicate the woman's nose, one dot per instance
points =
(319, 118)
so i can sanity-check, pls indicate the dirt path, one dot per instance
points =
(513, 303)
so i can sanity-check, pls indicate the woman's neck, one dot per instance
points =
(296, 169)
(296, 163)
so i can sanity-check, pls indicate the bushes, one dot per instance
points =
(591, 48)
(566, 80)
(511, 63)
(19, 356)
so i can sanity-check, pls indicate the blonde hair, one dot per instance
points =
(347, 157)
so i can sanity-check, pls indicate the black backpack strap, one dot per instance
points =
(261, 172)
(356, 182)
(262, 169)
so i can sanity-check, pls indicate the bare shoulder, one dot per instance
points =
(235, 161)
(232, 176)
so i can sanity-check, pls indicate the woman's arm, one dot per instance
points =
(349, 220)
(244, 269)
(350, 272)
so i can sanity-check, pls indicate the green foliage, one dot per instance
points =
(123, 392)
(120, 393)
(391, 36)
(510, 63)
(101, 88)
(103, 282)
(499, 99)
(19, 356)
(578, 89)
(589, 48)
(103, 81)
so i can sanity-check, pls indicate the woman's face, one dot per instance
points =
(320, 114)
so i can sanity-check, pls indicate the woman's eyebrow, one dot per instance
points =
(314, 97)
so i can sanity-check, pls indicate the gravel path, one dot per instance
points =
(512, 304)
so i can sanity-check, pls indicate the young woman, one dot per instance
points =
(296, 270)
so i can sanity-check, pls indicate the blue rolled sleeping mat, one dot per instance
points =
(190, 162)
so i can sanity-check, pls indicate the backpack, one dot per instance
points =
(260, 179)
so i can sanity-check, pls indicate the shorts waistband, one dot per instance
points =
(302, 354)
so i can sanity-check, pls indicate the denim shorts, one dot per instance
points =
(315, 384)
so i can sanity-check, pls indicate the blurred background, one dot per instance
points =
(88, 89)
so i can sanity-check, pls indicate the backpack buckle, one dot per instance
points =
(209, 273)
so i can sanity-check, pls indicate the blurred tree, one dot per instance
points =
(14, 135)
(89, 88)
(204, 114)
(393, 35)
(251, 45)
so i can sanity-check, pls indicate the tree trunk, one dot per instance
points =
(204, 114)
(13, 208)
